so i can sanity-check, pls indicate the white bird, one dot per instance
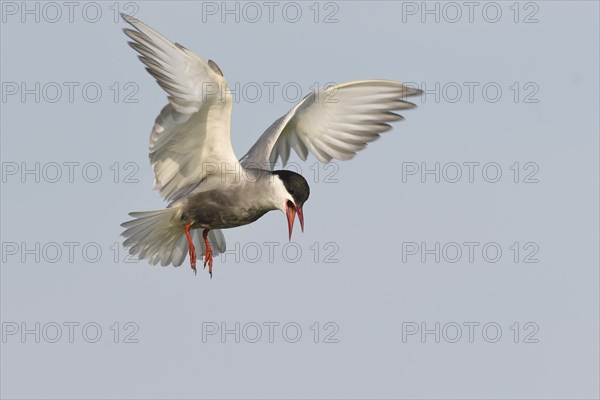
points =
(194, 165)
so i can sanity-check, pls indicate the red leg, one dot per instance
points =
(208, 258)
(191, 247)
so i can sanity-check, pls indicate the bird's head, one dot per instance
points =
(296, 193)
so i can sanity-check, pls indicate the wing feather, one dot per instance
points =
(194, 127)
(333, 123)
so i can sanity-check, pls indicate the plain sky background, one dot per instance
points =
(366, 221)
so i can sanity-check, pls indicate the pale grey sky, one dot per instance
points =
(421, 272)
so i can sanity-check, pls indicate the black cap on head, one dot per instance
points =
(295, 184)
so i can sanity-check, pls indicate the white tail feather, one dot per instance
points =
(158, 237)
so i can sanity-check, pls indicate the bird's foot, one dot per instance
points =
(208, 257)
(193, 259)
(191, 247)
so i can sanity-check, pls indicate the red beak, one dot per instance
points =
(290, 212)
(301, 217)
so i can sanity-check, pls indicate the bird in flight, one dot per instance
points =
(196, 170)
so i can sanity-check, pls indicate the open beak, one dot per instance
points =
(300, 217)
(290, 212)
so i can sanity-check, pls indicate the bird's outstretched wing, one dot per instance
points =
(332, 123)
(191, 135)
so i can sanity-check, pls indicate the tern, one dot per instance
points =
(195, 169)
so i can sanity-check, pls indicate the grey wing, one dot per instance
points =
(332, 123)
